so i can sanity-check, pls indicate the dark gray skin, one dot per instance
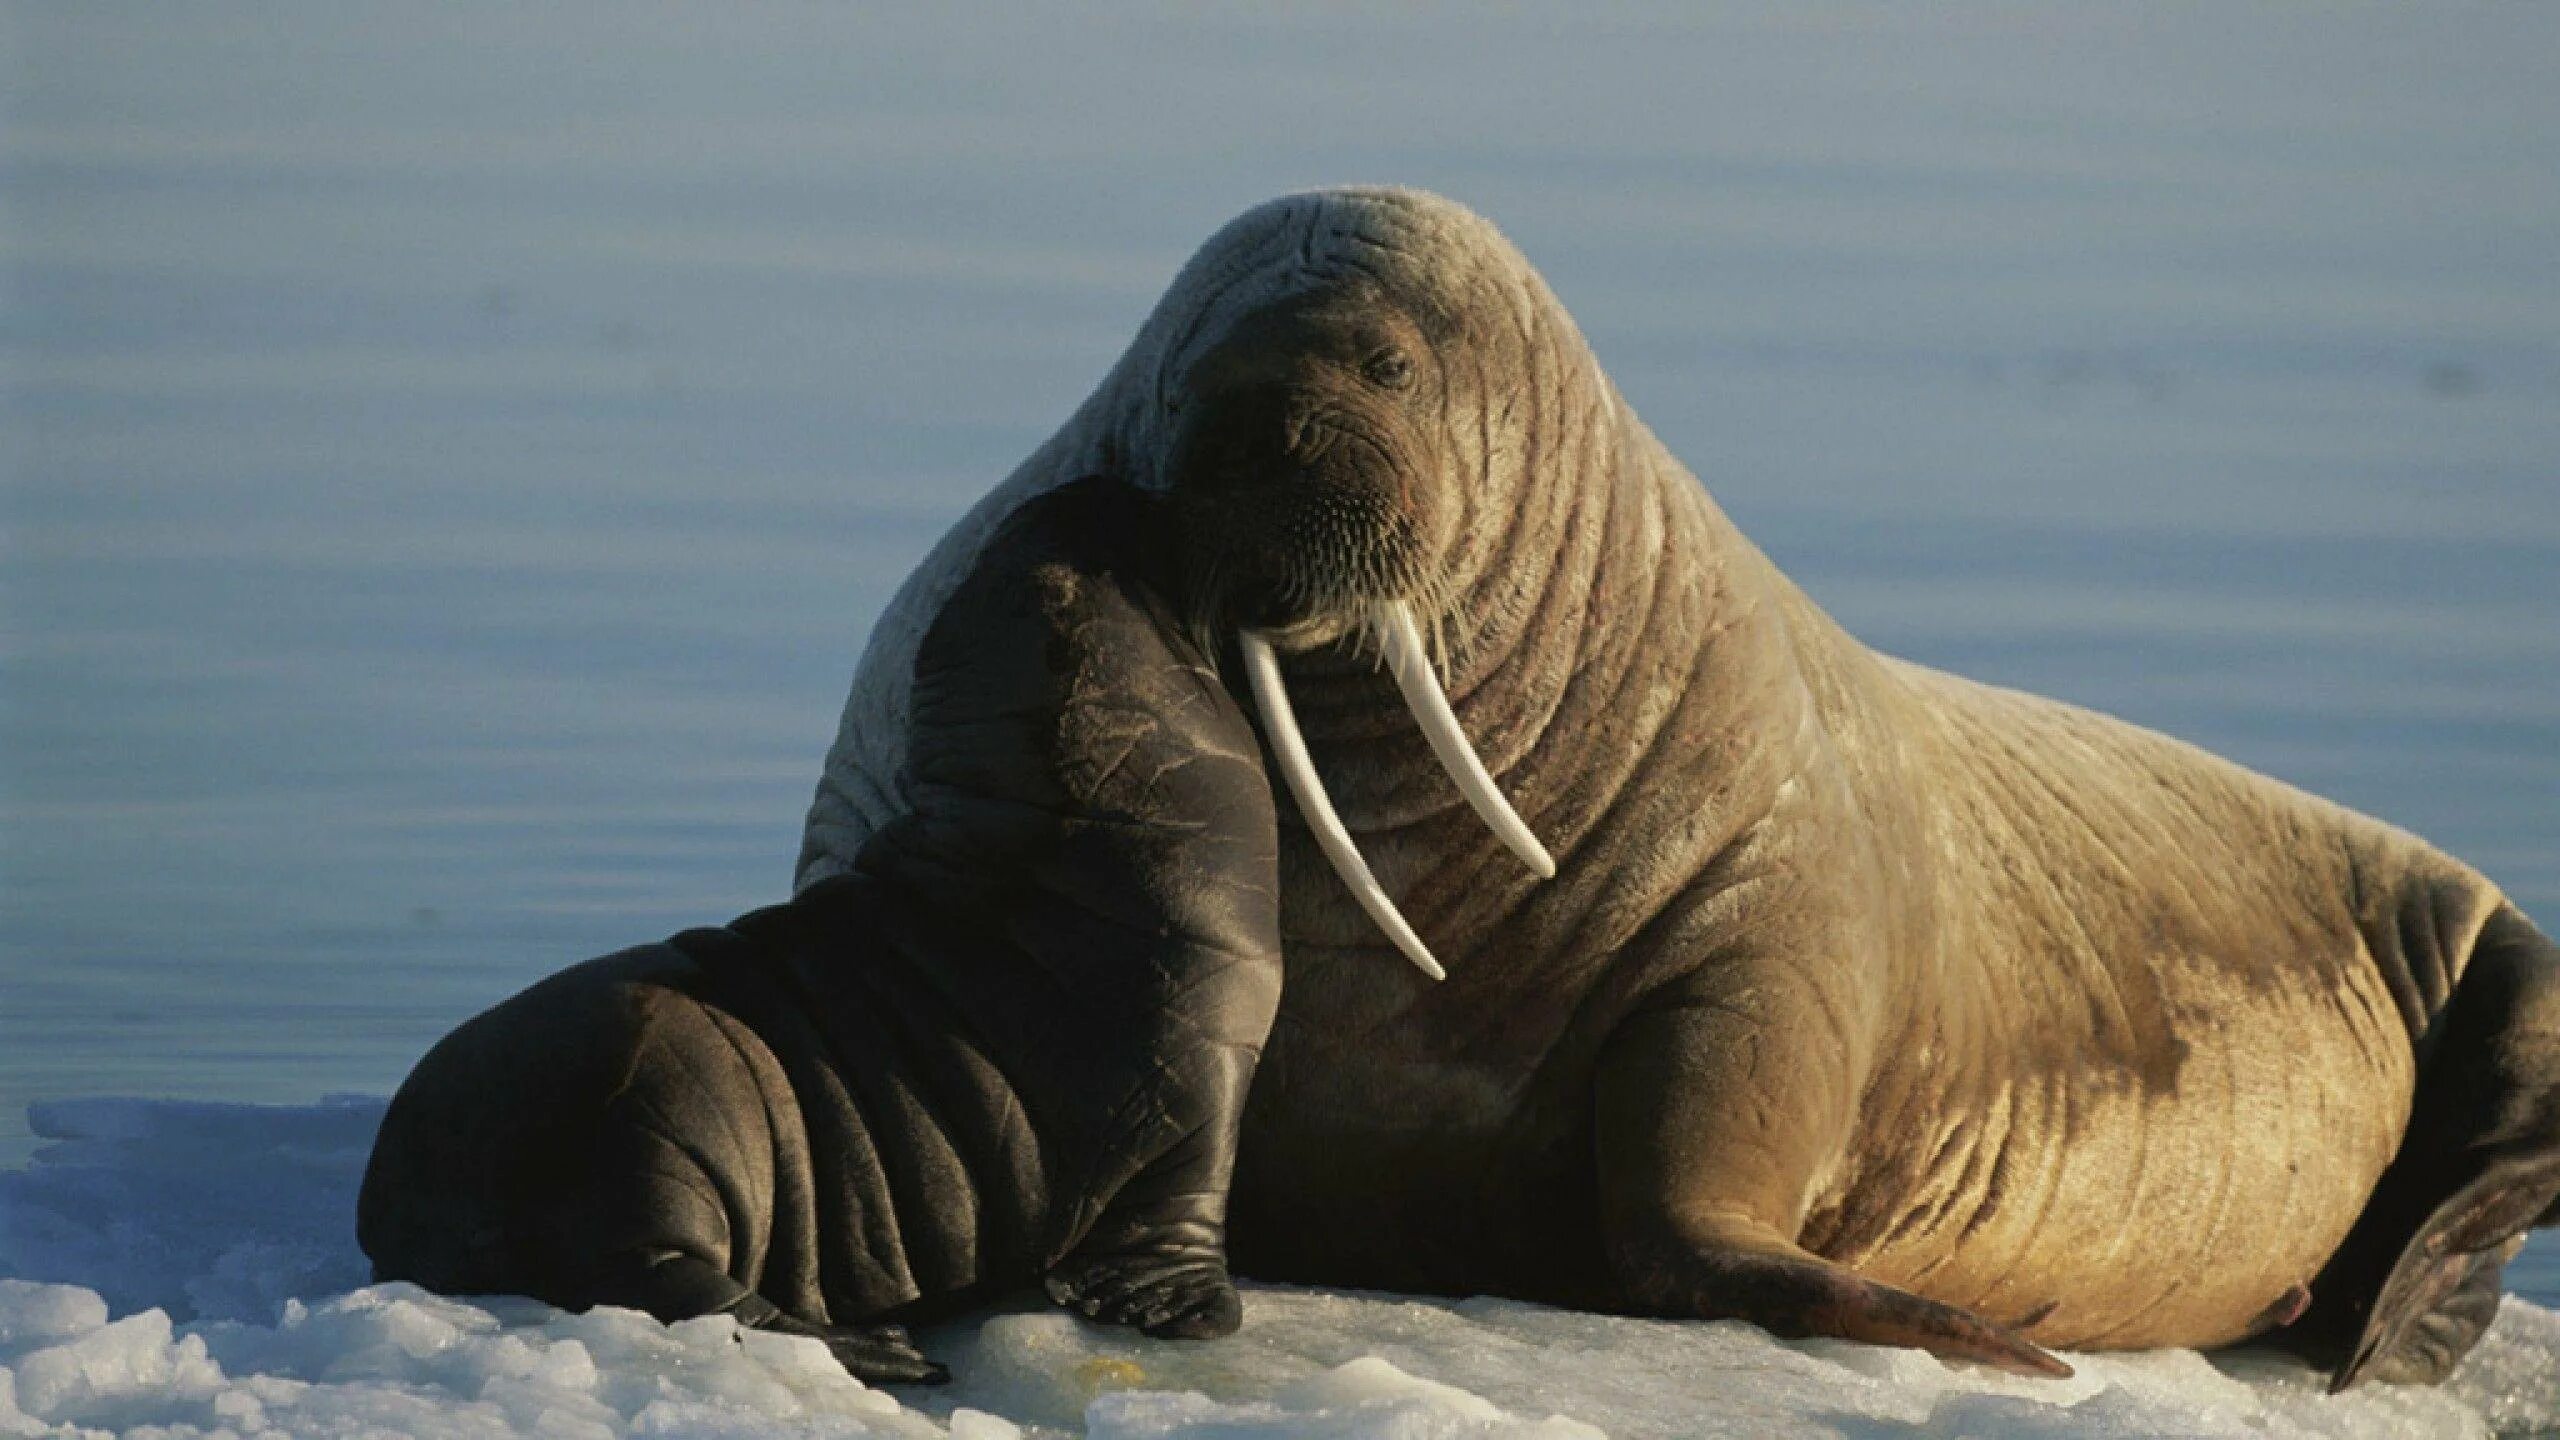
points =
(1866, 1002)
(1012, 1047)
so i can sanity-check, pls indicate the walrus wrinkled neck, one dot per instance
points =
(1613, 636)
(1530, 623)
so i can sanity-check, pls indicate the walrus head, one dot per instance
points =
(1304, 474)
(1315, 501)
(1363, 428)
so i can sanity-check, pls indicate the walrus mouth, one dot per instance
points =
(1400, 641)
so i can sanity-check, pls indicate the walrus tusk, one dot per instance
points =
(1262, 669)
(1411, 665)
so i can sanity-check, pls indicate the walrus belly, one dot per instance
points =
(2141, 1213)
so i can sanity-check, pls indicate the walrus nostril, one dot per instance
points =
(1303, 437)
(1309, 427)
(1313, 444)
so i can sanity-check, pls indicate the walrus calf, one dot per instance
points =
(1013, 1043)
(1864, 1001)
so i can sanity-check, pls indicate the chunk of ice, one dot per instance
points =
(33, 1314)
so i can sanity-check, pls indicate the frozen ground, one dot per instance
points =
(188, 1271)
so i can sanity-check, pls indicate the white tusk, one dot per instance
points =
(1262, 668)
(1411, 665)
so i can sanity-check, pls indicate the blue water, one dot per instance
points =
(453, 455)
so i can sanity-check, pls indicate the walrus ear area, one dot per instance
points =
(1080, 775)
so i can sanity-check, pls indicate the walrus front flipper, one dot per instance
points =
(1734, 1269)
(2479, 1165)
(1156, 1258)
(1702, 1152)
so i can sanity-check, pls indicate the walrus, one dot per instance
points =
(1011, 1043)
(1863, 1001)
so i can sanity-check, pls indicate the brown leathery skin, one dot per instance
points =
(1853, 974)
(2058, 964)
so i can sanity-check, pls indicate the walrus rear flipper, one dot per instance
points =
(2442, 1292)
(675, 1285)
(2432, 1311)
(2480, 1165)
(608, 1137)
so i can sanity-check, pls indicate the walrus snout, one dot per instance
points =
(1314, 509)
(1305, 523)
(1304, 468)
(1283, 432)
(1301, 508)
(1272, 447)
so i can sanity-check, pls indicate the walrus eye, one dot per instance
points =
(1391, 368)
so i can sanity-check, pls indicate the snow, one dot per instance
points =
(189, 1270)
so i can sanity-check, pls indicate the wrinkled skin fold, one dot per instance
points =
(1864, 1001)
(1011, 1045)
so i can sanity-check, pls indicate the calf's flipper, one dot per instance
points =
(872, 1354)
(1156, 1257)
(673, 1285)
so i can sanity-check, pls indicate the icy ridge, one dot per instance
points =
(184, 1270)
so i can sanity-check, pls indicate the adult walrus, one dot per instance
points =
(1864, 1001)
(1014, 1045)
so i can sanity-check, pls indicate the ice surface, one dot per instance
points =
(188, 1270)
